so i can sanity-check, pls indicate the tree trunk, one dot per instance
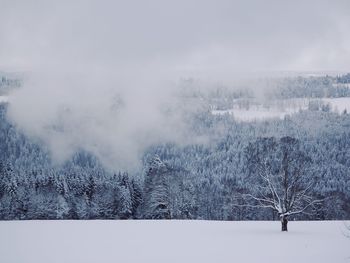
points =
(284, 222)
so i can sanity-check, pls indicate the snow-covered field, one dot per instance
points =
(281, 108)
(172, 241)
(3, 99)
(255, 113)
(338, 104)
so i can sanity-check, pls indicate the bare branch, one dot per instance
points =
(306, 207)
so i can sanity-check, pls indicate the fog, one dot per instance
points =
(101, 75)
(111, 118)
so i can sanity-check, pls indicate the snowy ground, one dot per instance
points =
(281, 108)
(3, 99)
(338, 104)
(172, 241)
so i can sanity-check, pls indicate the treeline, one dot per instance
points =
(312, 87)
(199, 181)
(222, 97)
(67, 196)
(9, 82)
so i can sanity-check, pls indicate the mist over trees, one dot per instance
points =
(210, 180)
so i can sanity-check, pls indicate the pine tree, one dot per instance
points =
(156, 203)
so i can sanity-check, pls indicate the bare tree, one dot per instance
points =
(280, 168)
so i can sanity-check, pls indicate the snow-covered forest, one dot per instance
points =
(213, 179)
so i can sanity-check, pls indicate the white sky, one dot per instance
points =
(175, 35)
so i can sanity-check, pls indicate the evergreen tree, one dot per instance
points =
(156, 203)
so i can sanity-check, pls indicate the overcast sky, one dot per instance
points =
(181, 35)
